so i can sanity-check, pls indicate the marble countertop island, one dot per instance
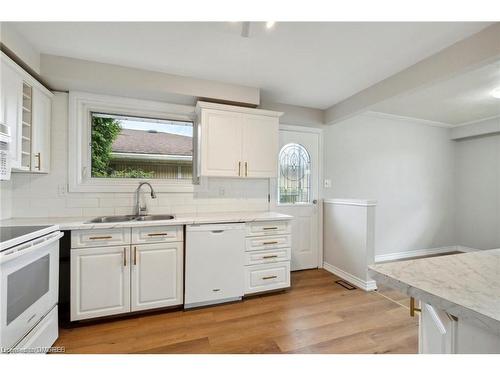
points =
(464, 285)
(73, 223)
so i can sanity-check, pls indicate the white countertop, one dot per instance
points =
(72, 223)
(464, 285)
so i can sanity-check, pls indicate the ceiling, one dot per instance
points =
(300, 63)
(462, 99)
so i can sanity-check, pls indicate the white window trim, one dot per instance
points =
(81, 104)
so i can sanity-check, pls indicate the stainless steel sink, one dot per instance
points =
(125, 218)
(112, 219)
(153, 217)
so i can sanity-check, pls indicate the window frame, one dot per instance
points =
(82, 105)
(278, 202)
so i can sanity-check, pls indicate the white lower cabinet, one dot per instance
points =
(264, 277)
(110, 280)
(100, 281)
(267, 256)
(156, 275)
(441, 333)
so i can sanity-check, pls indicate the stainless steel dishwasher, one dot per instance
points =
(214, 263)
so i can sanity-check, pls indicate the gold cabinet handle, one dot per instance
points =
(135, 255)
(269, 228)
(124, 257)
(269, 277)
(101, 238)
(246, 169)
(270, 243)
(157, 234)
(39, 158)
(269, 256)
(239, 168)
(413, 308)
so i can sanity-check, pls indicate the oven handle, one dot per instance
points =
(33, 247)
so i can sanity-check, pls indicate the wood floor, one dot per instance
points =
(314, 316)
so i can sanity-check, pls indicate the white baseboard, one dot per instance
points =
(354, 280)
(465, 249)
(422, 252)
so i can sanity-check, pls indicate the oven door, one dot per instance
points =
(29, 283)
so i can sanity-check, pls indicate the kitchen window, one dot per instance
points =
(116, 142)
(143, 148)
(294, 180)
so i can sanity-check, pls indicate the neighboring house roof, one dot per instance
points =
(151, 142)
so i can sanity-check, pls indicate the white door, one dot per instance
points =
(297, 192)
(260, 142)
(156, 275)
(100, 281)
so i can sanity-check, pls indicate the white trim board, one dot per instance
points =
(421, 252)
(367, 286)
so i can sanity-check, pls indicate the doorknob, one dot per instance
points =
(315, 201)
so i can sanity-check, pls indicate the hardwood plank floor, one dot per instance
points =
(314, 316)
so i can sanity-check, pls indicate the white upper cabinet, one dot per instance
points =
(237, 141)
(40, 144)
(260, 145)
(26, 107)
(11, 98)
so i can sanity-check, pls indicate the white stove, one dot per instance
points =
(29, 287)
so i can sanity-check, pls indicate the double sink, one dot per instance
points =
(125, 218)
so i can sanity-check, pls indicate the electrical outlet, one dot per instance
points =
(327, 183)
(222, 192)
(61, 190)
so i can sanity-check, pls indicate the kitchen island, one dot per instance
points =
(459, 299)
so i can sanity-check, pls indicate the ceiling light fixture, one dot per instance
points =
(270, 24)
(496, 93)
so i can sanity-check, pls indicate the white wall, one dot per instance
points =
(36, 195)
(20, 46)
(408, 167)
(478, 192)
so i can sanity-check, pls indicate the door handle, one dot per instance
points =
(239, 168)
(124, 257)
(246, 169)
(135, 255)
(315, 201)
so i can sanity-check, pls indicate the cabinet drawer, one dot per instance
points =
(100, 237)
(267, 256)
(268, 227)
(265, 277)
(157, 234)
(268, 242)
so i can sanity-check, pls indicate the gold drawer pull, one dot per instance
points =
(269, 228)
(269, 256)
(270, 243)
(157, 234)
(135, 255)
(413, 308)
(269, 277)
(124, 257)
(101, 238)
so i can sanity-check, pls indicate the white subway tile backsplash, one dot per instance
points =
(82, 202)
(39, 195)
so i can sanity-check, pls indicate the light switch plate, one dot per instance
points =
(327, 183)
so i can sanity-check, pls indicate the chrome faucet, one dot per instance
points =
(139, 209)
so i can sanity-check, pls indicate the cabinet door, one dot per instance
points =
(221, 135)
(260, 146)
(156, 275)
(40, 147)
(100, 281)
(11, 104)
(437, 331)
